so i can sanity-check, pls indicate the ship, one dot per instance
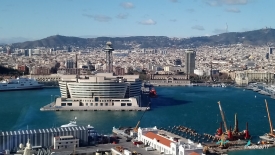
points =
(153, 93)
(20, 83)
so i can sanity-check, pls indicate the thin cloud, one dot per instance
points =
(190, 10)
(233, 10)
(127, 5)
(245, 29)
(122, 16)
(99, 18)
(148, 22)
(4, 10)
(235, 2)
(174, 1)
(172, 20)
(219, 31)
(198, 27)
(226, 2)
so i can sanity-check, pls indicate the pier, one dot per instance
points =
(53, 107)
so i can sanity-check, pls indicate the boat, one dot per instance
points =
(256, 89)
(264, 93)
(71, 124)
(267, 137)
(20, 83)
(153, 93)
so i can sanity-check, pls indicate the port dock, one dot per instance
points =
(53, 107)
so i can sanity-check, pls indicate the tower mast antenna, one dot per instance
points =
(226, 28)
(109, 56)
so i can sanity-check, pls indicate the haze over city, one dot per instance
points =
(31, 19)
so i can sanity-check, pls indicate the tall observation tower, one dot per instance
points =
(109, 56)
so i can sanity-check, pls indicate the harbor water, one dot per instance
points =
(193, 107)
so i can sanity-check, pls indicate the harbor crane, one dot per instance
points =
(136, 128)
(222, 114)
(269, 119)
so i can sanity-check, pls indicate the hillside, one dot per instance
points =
(256, 37)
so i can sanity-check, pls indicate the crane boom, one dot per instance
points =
(223, 119)
(269, 119)
(136, 128)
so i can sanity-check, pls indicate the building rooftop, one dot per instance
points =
(159, 138)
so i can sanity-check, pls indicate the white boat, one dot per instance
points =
(20, 83)
(264, 92)
(71, 124)
(267, 137)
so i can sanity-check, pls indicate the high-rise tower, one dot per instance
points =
(190, 61)
(109, 56)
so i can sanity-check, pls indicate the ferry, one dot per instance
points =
(20, 83)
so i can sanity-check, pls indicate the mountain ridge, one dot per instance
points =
(256, 37)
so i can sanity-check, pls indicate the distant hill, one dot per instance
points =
(4, 41)
(256, 37)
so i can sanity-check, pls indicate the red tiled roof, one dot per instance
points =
(159, 138)
(194, 153)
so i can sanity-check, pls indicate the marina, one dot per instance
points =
(165, 110)
(263, 89)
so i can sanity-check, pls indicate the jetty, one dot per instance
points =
(53, 107)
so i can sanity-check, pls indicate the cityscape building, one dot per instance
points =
(190, 61)
(109, 57)
(70, 63)
(30, 52)
(26, 52)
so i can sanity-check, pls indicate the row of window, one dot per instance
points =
(97, 100)
(68, 142)
(96, 104)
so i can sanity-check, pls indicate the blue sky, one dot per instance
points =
(38, 19)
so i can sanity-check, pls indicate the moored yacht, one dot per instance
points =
(20, 83)
(71, 124)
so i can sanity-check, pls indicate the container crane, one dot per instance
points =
(222, 114)
(269, 119)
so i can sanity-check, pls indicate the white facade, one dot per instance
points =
(244, 77)
(199, 72)
(167, 144)
(30, 52)
(102, 89)
(64, 142)
(187, 149)
(125, 102)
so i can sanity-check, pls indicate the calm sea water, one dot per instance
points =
(194, 107)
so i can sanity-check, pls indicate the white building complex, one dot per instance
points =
(242, 78)
(64, 142)
(168, 143)
(100, 90)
